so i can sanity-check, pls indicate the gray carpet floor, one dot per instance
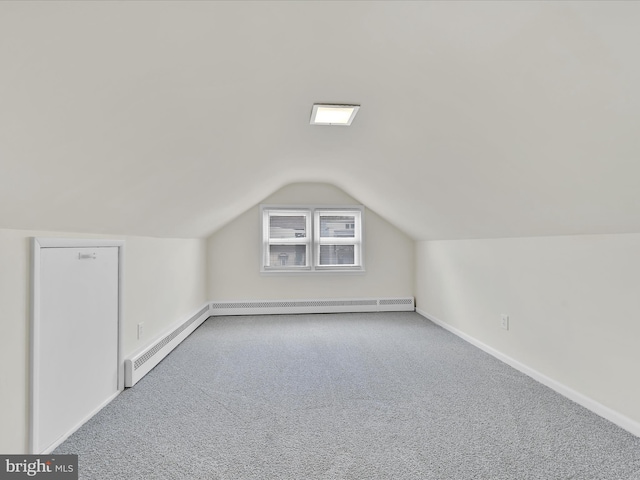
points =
(344, 396)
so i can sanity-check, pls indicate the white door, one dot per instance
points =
(76, 338)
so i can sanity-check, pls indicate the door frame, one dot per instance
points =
(37, 244)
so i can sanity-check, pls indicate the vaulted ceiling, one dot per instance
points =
(478, 119)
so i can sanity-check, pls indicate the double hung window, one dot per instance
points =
(312, 239)
(286, 239)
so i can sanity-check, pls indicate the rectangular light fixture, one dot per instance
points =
(323, 114)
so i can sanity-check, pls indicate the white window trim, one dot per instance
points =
(267, 241)
(313, 240)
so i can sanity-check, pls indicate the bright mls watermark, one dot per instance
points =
(50, 467)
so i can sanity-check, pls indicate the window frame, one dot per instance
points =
(313, 239)
(267, 241)
(356, 240)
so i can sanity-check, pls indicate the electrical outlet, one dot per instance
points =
(504, 321)
(140, 330)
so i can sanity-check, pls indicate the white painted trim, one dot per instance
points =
(133, 375)
(313, 240)
(55, 242)
(34, 338)
(613, 416)
(302, 273)
(34, 345)
(325, 305)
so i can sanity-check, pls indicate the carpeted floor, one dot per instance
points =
(344, 396)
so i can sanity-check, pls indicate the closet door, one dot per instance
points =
(75, 371)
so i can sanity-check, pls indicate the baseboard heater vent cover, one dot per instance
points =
(138, 365)
(265, 307)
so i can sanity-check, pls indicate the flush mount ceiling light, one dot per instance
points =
(323, 114)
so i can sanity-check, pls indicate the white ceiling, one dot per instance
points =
(478, 119)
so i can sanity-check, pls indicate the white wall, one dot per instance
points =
(234, 256)
(164, 282)
(573, 302)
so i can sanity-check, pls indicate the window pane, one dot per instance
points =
(337, 254)
(337, 226)
(287, 255)
(286, 226)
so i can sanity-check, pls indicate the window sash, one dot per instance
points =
(337, 255)
(288, 258)
(288, 228)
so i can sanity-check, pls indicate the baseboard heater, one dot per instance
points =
(267, 307)
(138, 365)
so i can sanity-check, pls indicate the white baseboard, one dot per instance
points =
(613, 416)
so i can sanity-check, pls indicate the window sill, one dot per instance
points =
(320, 272)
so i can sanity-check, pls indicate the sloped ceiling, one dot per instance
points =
(478, 119)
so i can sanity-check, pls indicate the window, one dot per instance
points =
(287, 239)
(337, 241)
(309, 239)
